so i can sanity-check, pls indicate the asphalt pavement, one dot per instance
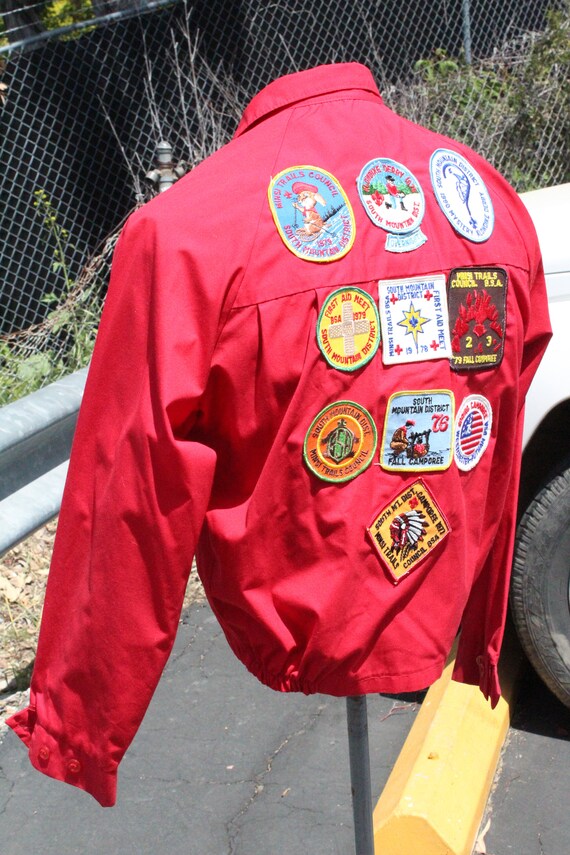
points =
(527, 812)
(225, 766)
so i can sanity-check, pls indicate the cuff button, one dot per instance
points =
(74, 767)
(43, 753)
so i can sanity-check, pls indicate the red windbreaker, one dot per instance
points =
(351, 501)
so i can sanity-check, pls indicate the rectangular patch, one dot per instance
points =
(477, 299)
(407, 530)
(414, 319)
(418, 431)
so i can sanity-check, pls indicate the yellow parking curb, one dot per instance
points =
(435, 796)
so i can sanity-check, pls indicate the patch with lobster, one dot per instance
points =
(408, 529)
(418, 431)
(477, 299)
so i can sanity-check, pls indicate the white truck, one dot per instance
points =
(540, 588)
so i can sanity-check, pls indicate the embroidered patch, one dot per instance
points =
(477, 299)
(472, 431)
(394, 201)
(348, 329)
(312, 213)
(408, 529)
(462, 195)
(414, 319)
(340, 442)
(418, 431)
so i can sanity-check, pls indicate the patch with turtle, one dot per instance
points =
(341, 442)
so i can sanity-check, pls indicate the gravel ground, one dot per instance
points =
(23, 577)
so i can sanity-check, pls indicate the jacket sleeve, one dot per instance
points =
(134, 502)
(485, 613)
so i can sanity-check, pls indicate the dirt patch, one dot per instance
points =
(23, 576)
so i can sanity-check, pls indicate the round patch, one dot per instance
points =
(348, 329)
(312, 213)
(462, 195)
(472, 431)
(340, 442)
(394, 201)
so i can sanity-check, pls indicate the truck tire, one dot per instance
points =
(540, 586)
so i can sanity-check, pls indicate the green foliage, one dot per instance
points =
(64, 13)
(437, 66)
(67, 336)
(513, 107)
(61, 13)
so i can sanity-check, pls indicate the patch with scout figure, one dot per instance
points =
(418, 431)
(477, 299)
(462, 195)
(340, 442)
(312, 213)
(348, 329)
(408, 529)
(394, 201)
(414, 319)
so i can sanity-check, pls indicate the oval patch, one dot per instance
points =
(312, 213)
(394, 201)
(348, 329)
(472, 431)
(462, 195)
(340, 442)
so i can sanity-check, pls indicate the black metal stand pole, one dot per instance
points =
(357, 721)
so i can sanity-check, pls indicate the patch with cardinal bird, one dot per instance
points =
(418, 431)
(462, 195)
(477, 299)
(408, 529)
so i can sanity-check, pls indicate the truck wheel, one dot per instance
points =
(540, 586)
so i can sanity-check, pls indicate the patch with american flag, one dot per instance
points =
(472, 431)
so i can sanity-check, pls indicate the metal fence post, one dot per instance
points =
(359, 755)
(467, 31)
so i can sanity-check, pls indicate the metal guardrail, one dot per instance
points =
(35, 440)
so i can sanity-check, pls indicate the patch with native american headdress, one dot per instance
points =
(407, 530)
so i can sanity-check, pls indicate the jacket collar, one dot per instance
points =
(317, 83)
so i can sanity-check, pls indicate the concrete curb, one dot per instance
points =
(434, 799)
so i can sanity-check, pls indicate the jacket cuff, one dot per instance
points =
(68, 764)
(484, 673)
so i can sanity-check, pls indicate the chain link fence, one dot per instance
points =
(89, 88)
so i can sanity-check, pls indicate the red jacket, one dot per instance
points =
(240, 406)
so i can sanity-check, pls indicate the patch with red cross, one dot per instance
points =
(348, 328)
(414, 319)
(477, 299)
(408, 529)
